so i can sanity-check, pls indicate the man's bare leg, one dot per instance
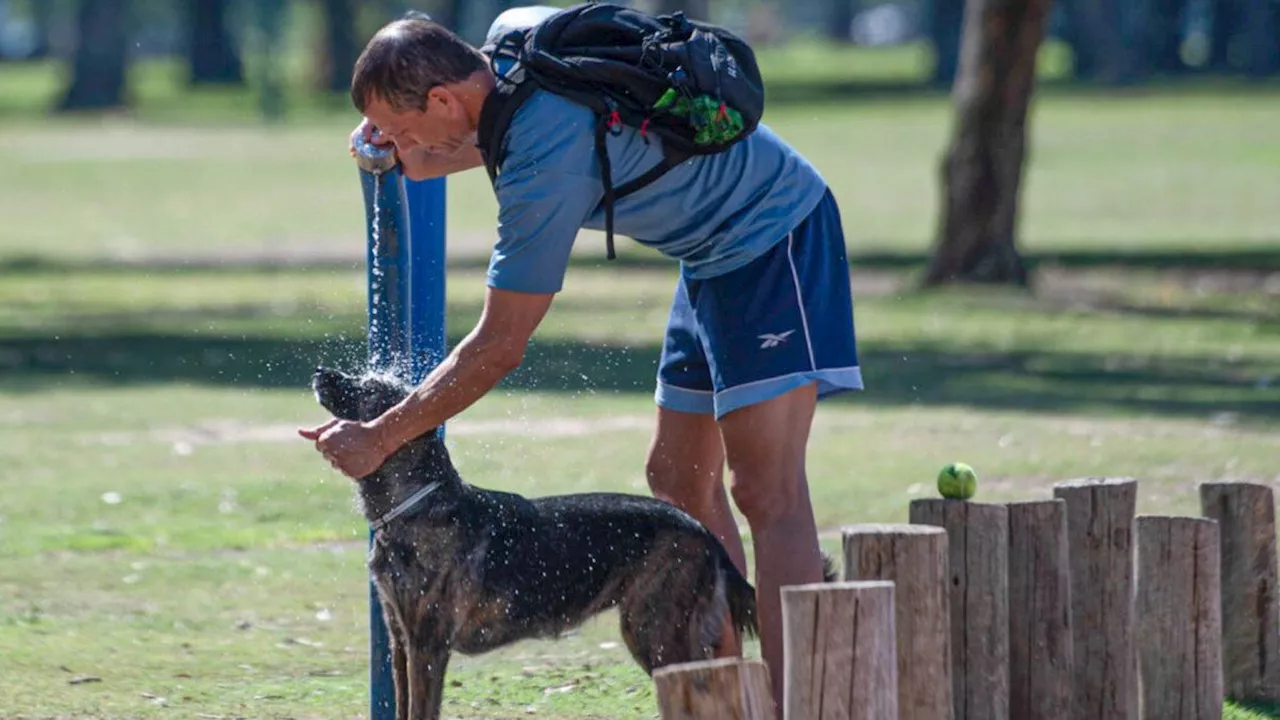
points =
(765, 448)
(686, 468)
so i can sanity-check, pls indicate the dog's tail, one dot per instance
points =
(829, 573)
(741, 597)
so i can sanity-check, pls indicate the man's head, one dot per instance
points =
(421, 85)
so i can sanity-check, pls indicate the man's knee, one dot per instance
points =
(765, 498)
(661, 471)
(685, 461)
(682, 481)
(766, 446)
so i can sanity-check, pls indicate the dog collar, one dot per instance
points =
(410, 503)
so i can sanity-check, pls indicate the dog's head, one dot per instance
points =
(357, 397)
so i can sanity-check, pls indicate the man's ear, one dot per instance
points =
(442, 97)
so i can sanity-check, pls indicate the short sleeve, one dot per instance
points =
(548, 187)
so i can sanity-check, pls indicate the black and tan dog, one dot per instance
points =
(460, 568)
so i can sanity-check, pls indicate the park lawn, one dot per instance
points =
(163, 531)
(1169, 171)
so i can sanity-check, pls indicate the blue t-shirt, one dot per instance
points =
(713, 213)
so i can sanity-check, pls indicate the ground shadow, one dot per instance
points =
(903, 374)
(1222, 257)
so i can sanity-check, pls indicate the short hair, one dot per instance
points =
(408, 57)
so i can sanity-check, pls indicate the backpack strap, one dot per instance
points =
(495, 116)
(670, 158)
(604, 125)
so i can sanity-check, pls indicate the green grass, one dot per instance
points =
(225, 573)
(1165, 173)
(195, 174)
(163, 531)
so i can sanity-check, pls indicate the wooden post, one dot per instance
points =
(840, 651)
(725, 689)
(1040, 645)
(1246, 517)
(1100, 515)
(914, 558)
(978, 577)
(1179, 626)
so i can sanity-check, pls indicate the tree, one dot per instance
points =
(837, 19)
(1261, 37)
(982, 168)
(42, 14)
(100, 61)
(1098, 41)
(946, 21)
(339, 52)
(212, 55)
(268, 21)
(1227, 19)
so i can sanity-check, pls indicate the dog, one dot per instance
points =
(461, 568)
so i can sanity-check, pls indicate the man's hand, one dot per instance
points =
(366, 132)
(354, 449)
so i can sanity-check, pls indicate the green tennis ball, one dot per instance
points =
(957, 481)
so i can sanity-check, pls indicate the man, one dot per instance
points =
(761, 323)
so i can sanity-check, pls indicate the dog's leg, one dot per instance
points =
(426, 682)
(399, 659)
(428, 656)
(673, 612)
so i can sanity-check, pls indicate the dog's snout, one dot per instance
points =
(324, 374)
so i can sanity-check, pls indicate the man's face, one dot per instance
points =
(442, 128)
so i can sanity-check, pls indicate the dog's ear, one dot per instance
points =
(337, 392)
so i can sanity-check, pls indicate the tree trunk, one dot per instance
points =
(1076, 36)
(693, 9)
(212, 55)
(340, 49)
(42, 14)
(1098, 40)
(100, 61)
(982, 170)
(1163, 37)
(1261, 37)
(1226, 24)
(946, 23)
(269, 18)
(837, 19)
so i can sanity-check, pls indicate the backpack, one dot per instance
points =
(695, 85)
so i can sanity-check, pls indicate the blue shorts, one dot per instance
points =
(780, 322)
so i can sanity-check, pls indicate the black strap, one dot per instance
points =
(495, 115)
(606, 176)
(670, 159)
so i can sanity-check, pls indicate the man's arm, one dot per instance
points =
(494, 348)
(421, 165)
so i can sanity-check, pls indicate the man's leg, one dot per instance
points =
(686, 468)
(686, 457)
(765, 447)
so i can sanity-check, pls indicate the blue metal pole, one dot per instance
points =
(406, 285)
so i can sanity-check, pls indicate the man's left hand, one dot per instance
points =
(355, 449)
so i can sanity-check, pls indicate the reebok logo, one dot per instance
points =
(772, 340)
